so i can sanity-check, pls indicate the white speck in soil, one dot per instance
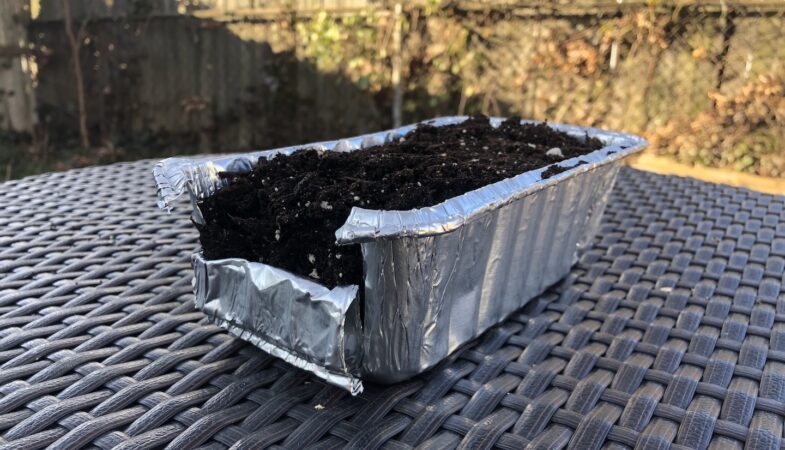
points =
(307, 204)
(555, 152)
(485, 147)
(311, 258)
(340, 274)
(532, 145)
(277, 235)
(313, 274)
(356, 198)
(337, 256)
(325, 205)
(318, 407)
(419, 184)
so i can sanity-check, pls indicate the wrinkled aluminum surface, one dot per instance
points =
(435, 277)
(293, 318)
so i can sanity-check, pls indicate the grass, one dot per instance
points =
(17, 160)
(19, 157)
(665, 165)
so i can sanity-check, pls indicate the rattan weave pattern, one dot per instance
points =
(670, 332)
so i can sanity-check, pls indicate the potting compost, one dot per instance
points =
(285, 211)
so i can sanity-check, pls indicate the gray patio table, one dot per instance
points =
(669, 333)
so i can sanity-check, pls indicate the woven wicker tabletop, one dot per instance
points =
(670, 332)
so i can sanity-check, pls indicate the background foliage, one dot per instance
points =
(703, 82)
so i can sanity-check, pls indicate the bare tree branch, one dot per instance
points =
(75, 42)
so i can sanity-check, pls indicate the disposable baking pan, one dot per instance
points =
(435, 277)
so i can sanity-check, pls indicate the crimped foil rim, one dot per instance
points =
(344, 380)
(365, 225)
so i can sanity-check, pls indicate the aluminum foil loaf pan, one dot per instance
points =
(435, 277)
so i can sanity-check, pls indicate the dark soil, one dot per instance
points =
(286, 210)
(557, 169)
